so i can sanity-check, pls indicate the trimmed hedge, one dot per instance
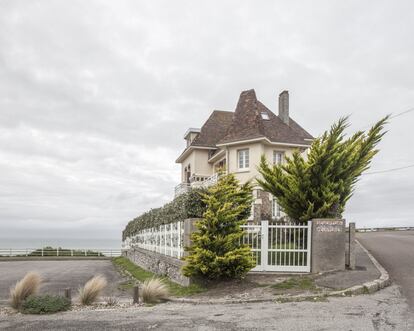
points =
(187, 205)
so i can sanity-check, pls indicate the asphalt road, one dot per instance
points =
(395, 251)
(58, 275)
(384, 310)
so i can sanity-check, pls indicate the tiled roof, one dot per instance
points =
(247, 123)
(214, 129)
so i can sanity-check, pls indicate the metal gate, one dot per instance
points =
(279, 246)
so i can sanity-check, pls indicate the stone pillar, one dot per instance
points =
(257, 206)
(189, 228)
(350, 262)
(328, 245)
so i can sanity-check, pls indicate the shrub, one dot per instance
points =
(217, 251)
(45, 304)
(92, 289)
(188, 205)
(319, 185)
(154, 290)
(24, 288)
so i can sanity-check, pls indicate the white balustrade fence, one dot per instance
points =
(165, 239)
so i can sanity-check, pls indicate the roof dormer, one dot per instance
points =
(190, 135)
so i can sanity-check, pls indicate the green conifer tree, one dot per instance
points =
(320, 185)
(217, 251)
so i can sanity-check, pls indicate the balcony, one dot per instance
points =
(181, 189)
(196, 181)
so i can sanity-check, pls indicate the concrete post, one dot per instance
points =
(135, 295)
(328, 245)
(189, 228)
(68, 294)
(351, 246)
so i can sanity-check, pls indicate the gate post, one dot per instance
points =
(328, 245)
(189, 228)
(309, 246)
(350, 241)
(264, 243)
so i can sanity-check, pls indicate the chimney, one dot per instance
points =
(284, 107)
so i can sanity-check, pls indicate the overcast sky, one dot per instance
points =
(95, 97)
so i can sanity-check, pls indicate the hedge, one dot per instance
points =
(187, 205)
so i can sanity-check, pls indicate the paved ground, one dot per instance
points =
(365, 271)
(395, 251)
(58, 275)
(384, 310)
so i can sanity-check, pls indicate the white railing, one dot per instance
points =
(211, 180)
(59, 252)
(279, 246)
(165, 239)
(196, 181)
(181, 189)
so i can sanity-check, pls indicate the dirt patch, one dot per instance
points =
(259, 286)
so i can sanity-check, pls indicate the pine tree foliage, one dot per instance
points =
(320, 185)
(217, 251)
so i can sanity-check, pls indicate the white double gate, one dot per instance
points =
(280, 246)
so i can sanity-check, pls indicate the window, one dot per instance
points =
(278, 157)
(243, 155)
(265, 115)
(276, 212)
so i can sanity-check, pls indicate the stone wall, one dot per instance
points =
(262, 205)
(158, 263)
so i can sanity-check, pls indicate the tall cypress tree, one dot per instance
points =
(217, 252)
(319, 185)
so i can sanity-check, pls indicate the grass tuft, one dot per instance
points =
(92, 289)
(24, 288)
(154, 290)
(111, 301)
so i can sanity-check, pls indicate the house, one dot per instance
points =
(235, 141)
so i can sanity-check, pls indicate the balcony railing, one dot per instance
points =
(181, 189)
(196, 181)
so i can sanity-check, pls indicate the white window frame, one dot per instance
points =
(279, 154)
(276, 210)
(243, 159)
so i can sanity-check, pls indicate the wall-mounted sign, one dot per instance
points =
(329, 226)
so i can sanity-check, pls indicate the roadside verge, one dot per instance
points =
(367, 287)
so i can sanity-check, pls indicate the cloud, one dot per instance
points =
(95, 97)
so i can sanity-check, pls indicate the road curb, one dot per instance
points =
(384, 279)
(365, 288)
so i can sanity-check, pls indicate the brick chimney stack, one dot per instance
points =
(284, 107)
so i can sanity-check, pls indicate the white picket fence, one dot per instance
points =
(277, 246)
(165, 239)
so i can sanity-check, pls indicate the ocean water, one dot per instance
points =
(101, 243)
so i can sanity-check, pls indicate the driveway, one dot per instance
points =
(395, 251)
(384, 310)
(58, 275)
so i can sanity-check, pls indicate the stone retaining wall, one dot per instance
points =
(158, 263)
